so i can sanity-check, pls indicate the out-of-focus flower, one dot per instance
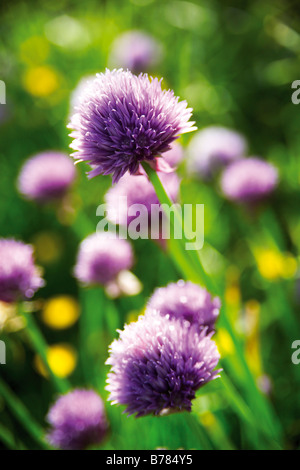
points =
(46, 176)
(264, 383)
(175, 155)
(249, 180)
(158, 364)
(101, 257)
(269, 263)
(19, 277)
(208, 419)
(41, 81)
(290, 266)
(224, 342)
(252, 336)
(187, 302)
(273, 265)
(137, 190)
(9, 319)
(60, 312)
(123, 120)
(67, 32)
(126, 283)
(136, 51)
(62, 360)
(213, 148)
(77, 420)
(232, 295)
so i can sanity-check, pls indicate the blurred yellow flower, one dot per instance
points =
(224, 342)
(9, 319)
(232, 295)
(272, 264)
(208, 419)
(60, 312)
(289, 267)
(253, 307)
(48, 247)
(252, 311)
(62, 360)
(41, 81)
(269, 264)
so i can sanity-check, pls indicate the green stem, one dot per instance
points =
(22, 414)
(41, 347)
(197, 428)
(199, 273)
(243, 410)
(195, 266)
(7, 438)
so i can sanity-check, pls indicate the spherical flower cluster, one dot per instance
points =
(186, 301)
(101, 258)
(19, 277)
(46, 176)
(78, 420)
(123, 119)
(136, 51)
(249, 180)
(158, 364)
(213, 148)
(137, 190)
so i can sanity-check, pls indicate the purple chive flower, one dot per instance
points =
(213, 148)
(19, 277)
(158, 364)
(249, 180)
(124, 119)
(185, 301)
(137, 190)
(136, 51)
(46, 176)
(101, 258)
(78, 420)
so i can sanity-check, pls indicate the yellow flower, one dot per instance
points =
(9, 319)
(224, 342)
(272, 264)
(289, 267)
(41, 81)
(252, 311)
(232, 295)
(60, 312)
(62, 360)
(208, 419)
(269, 263)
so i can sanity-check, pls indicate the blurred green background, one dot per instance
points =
(234, 65)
